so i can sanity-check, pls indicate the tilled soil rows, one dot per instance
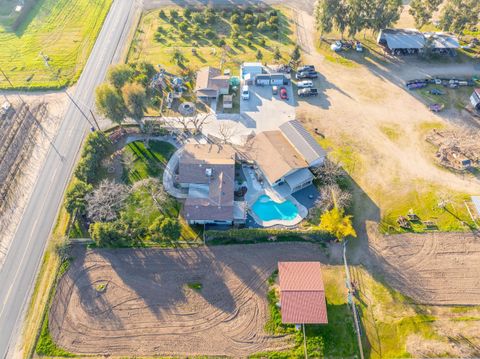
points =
(435, 268)
(209, 301)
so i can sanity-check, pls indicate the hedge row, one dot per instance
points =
(255, 235)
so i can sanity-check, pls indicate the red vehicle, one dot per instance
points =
(283, 93)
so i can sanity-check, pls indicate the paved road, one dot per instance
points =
(24, 256)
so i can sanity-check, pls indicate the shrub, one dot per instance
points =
(164, 228)
(249, 27)
(162, 14)
(273, 20)
(262, 42)
(235, 42)
(174, 13)
(96, 147)
(252, 235)
(221, 43)
(106, 234)
(249, 36)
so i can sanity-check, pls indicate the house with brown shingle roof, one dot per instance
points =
(208, 172)
(211, 83)
(285, 156)
(302, 293)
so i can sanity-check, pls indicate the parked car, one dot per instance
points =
(283, 93)
(307, 92)
(306, 75)
(245, 93)
(336, 46)
(436, 92)
(306, 68)
(274, 90)
(304, 84)
(358, 46)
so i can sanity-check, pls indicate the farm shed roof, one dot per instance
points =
(441, 40)
(303, 141)
(302, 294)
(476, 203)
(403, 38)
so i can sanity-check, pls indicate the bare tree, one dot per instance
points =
(198, 121)
(333, 196)
(155, 188)
(183, 122)
(329, 173)
(226, 131)
(104, 203)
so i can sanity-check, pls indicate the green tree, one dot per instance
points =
(235, 19)
(183, 27)
(178, 57)
(135, 98)
(323, 13)
(109, 103)
(460, 15)
(385, 13)
(162, 14)
(164, 228)
(198, 18)
(295, 55)
(249, 19)
(276, 54)
(337, 224)
(96, 147)
(259, 55)
(75, 197)
(107, 233)
(187, 13)
(170, 229)
(173, 13)
(119, 75)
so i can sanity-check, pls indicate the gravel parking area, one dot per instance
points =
(205, 301)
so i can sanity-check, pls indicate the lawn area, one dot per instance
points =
(210, 44)
(337, 339)
(148, 162)
(60, 32)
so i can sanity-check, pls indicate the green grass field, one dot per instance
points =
(61, 31)
(149, 46)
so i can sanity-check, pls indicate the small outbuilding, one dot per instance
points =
(402, 41)
(475, 99)
(251, 69)
(302, 293)
(211, 83)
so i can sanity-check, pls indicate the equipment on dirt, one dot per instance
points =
(404, 223)
(436, 107)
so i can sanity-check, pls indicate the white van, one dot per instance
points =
(245, 93)
(305, 84)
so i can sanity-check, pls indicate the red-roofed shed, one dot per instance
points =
(302, 294)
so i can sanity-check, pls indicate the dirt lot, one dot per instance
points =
(435, 268)
(138, 302)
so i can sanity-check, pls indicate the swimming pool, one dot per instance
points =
(269, 210)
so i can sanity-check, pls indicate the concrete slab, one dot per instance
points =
(266, 111)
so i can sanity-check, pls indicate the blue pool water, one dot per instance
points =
(268, 210)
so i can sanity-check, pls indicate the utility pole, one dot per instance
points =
(351, 300)
(79, 109)
(95, 119)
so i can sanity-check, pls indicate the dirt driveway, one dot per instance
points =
(138, 302)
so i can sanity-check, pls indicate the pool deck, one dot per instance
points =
(256, 189)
